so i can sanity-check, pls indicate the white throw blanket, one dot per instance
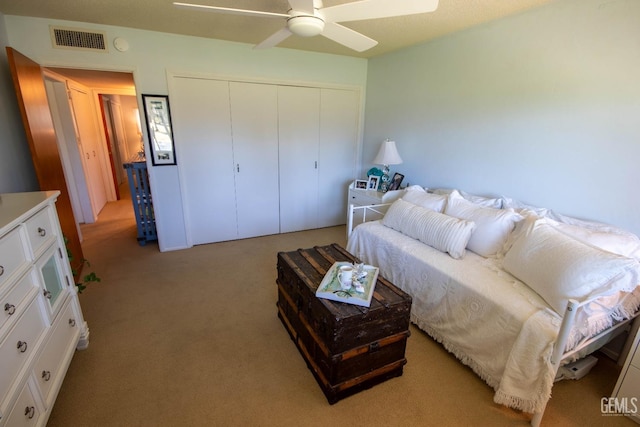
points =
(489, 320)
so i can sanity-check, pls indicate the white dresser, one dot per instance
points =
(41, 324)
(627, 389)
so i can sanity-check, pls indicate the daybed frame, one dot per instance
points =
(568, 319)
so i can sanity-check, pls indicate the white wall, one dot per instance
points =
(152, 55)
(543, 107)
(16, 168)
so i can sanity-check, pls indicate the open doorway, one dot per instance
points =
(97, 123)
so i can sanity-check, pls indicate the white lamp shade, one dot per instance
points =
(388, 154)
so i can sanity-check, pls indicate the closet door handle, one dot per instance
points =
(238, 167)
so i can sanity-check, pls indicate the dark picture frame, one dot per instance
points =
(396, 181)
(159, 129)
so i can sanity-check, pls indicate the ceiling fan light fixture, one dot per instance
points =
(305, 25)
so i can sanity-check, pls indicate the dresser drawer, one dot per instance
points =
(40, 230)
(13, 256)
(15, 302)
(52, 363)
(27, 410)
(361, 198)
(21, 342)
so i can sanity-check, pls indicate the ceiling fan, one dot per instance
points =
(308, 18)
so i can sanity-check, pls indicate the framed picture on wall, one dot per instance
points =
(158, 118)
(396, 181)
(373, 182)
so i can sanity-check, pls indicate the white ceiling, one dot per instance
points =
(161, 15)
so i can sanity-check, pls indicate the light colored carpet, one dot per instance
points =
(192, 338)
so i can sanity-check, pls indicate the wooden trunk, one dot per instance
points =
(348, 348)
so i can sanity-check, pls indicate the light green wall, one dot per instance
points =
(543, 107)
(153, 55)
(16, 168)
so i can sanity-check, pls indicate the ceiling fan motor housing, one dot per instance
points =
(306, 25)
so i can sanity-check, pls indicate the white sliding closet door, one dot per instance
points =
(254, 124)
(339, 118)
(202, 130)
(299, 133)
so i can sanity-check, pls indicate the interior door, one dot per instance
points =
(299, 132)
(110, 138)
(89, 138)
(29, 85)
(254, 122)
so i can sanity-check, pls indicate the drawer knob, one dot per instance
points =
(72, 322)
(47, 294)
(42, 232)
(10, 308)
(1, 270)
(29, 411)
(46, 375)
(22, 346)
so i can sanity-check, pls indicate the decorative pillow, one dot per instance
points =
(621, 244)
(419, 197)
(440, 231)
(487, 202)
(397, 214)
(560, 268)
(492, 225)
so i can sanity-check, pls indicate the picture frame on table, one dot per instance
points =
(396, 181)
(373, 182)
(361, 184)
(158, 120)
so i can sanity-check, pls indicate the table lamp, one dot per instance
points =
(387, 155)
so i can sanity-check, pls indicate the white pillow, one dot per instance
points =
(625, 245)
(487, 202)
(492, 225)
(440, 231)
(560, 268)
(419, 197)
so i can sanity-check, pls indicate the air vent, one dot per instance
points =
(69, 38)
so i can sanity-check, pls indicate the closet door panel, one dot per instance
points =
(202, 130)
(339, 119)
(254, 123)
(299, 130)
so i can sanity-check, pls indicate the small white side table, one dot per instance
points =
(359, 197)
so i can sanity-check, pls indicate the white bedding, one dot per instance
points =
(488, 319)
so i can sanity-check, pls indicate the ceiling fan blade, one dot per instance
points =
(229, 10)
(302, 6)
(347, 37)
(373, 9)
(274, 39)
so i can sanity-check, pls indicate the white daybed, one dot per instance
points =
(507, 329)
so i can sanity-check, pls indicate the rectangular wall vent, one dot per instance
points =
(69, 38)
